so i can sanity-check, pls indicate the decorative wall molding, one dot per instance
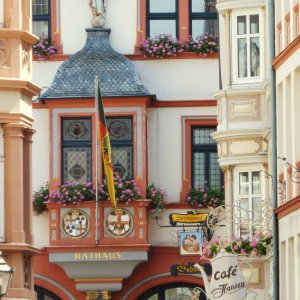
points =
(243, 108)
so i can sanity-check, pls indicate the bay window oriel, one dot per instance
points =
(247, 39)
(248, 202)
(76, 149)
(121, 139)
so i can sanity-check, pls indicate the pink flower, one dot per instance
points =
(253, 243)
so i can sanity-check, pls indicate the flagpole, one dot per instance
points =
(96, 159)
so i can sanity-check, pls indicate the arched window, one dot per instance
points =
(178, 291)
(43, 294)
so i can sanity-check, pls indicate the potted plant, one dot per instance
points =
(41, 196)
(162, 45)
(44, 48)
(204, 45)
(74, 193)
(204, 197)
(158, 197)
(258, 245)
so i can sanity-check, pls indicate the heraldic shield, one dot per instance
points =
(75, 223)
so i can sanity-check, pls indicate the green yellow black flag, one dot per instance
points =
(105, 146)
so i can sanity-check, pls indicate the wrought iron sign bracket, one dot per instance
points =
(281, 186)
(295, 172)
(191, 219)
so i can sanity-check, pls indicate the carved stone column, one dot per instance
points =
(13, 182)
(27, 188)
(228, 194)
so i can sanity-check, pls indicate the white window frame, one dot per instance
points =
(260, 35)
(251, 196)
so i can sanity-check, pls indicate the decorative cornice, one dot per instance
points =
(24, 86)
(17, 33)
(286, 53)
(15, 118)
(19, 247)
(243, 91)
(288, 208)
(242, 159)
(232, 5)
(137, 57)
(63, 249)
(237, 134)
(183, 103)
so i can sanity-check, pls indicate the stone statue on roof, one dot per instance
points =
(98, 8)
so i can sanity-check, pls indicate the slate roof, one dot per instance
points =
(75, 78)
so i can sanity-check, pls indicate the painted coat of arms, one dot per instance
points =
(119, 222)
(75, 223)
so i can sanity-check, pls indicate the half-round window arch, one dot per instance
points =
(178, 290)
(44, 294)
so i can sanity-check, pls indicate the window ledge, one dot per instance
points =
(133, 57)
(183, 55)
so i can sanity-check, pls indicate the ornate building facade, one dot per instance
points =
(16, 92)
(179, 122)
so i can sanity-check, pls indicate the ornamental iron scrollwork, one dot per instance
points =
(280, 190)
(197, 292)
(258, 218)
(295, 172)
(197, 225)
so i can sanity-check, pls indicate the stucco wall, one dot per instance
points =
(40, 174)
(182, 79)
(288, 108)
(289, 259)
(165, 145)
(121, 18)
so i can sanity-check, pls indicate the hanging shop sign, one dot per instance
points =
(190, 242)
(189, 268)
(187, 218)
(184, 269)
(227, 281)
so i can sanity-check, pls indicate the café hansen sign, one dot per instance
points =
(227, 281)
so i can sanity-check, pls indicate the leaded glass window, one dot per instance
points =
(121, 138)
(41, 18)
(205, 166)
(162, 17)
(76, 149)
(203, 17)
(248, 46)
